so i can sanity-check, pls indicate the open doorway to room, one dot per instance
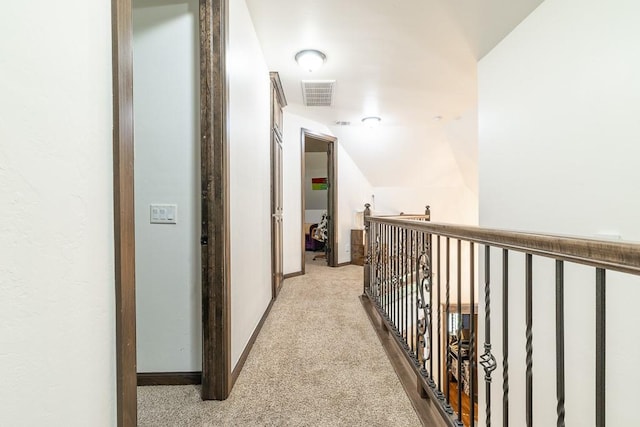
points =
(166, 94)
(319, 199)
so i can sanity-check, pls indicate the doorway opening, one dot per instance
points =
(214, 205)
(319, 199)
(167, 188)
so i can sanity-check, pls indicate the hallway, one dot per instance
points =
(316, 362)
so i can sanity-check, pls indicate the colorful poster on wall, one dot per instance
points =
(319, 183)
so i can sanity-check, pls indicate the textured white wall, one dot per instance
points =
(353, 192)
(249, 142)
(315, 167)
(167, 165)
(57, 325)
(559, 132)
(440, 171)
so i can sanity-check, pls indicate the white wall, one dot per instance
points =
(249, 142)
(315, 167)
(167, 164)
(427, 164)
(354, 191)
(456, 205)
(313, 216)
(57, 323)
(559, 132)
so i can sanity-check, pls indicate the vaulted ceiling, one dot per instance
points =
(411, 62)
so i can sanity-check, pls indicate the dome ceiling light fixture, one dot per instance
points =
(372, 121)
(310, 59)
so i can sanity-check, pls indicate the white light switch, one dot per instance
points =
(163, 214)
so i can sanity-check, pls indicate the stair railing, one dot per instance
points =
(422, 277)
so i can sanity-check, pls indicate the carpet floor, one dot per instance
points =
(316, 362)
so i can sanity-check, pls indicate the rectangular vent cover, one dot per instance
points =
(318, 93)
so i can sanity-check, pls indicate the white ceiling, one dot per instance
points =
(406, 61)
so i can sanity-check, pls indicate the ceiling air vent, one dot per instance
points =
(317, 93)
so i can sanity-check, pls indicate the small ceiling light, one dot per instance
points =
(371, 121)
(310, 59)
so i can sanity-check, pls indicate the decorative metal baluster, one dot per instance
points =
(601, 319)
(396, 266)
(416, 319)
(529, 336)
(505, 338)
(383, 268)
(472, 337)
(398, 286)
(487, 360)
(377, 270)
(406, 288)
(440, 364)
(447, 389)
(413, 291)
(392, 308)
(387, 273)
(423, 275)
(430, 311)
(560, 340)
(459, 334)
(396, 290)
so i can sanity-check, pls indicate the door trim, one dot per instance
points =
(332, 174)
(216, 267)
(216, 291)
(123, 210)
(277, 91)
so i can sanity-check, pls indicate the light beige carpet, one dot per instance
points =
(317, 362)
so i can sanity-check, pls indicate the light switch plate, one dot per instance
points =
(163, 213)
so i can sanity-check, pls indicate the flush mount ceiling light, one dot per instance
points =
(371, 121)
(310, 59)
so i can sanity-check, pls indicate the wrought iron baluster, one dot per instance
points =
(405, 316)
(392, 299)
(387, 274)
(459, 334)
(447, 389)
(429, 254)
(412, 303)
(560, 341)
(383, 269)
(472, 337)
(487, 360)
(505, 338)
(396, 267)
(416, 319)
(601, 330)
(423, 275)
(440, 364)
(529, 336)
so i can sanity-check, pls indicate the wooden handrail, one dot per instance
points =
(618, 256)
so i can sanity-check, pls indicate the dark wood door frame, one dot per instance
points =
(332, 173)
(278, 102)
(216, 253)
(216, 358)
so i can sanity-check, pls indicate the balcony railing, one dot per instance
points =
(423, 278)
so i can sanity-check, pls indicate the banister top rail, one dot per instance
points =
(617, 256)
